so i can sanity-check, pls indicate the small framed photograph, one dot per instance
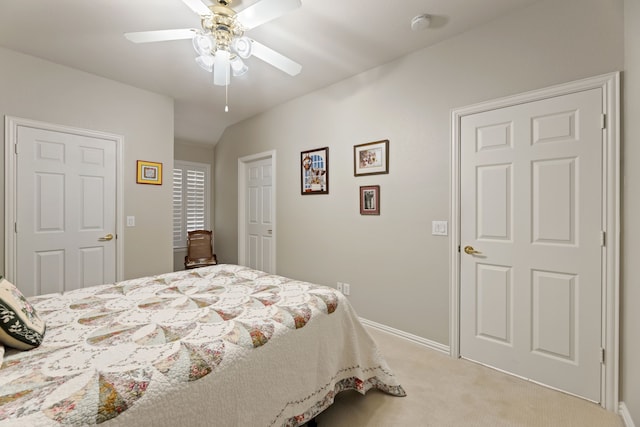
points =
(371, 158)
(149, 173)
(370, 200)
(314, 171)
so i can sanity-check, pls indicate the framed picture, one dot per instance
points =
(149, 173)
(371, 158)
(370, 200)
(314, 171)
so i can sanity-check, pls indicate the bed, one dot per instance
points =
(217, 346)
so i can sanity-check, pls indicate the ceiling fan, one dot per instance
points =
(220, 43)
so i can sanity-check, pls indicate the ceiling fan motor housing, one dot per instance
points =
(222, 25)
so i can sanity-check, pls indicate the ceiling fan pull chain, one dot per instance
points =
(226, 94)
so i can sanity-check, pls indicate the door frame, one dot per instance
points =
(243, 164)
(11, 125)
(610, 85)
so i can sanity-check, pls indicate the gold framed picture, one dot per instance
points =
(149, 173)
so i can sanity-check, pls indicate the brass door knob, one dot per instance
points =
(469, 250)
(106, 238)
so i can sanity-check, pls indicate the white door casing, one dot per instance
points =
(256, 211)
(61, 207)
(540, 301)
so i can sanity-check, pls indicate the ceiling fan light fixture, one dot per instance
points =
(238, 67)
(204, 44)
(205, 62)
(221, 68)
(242, 46)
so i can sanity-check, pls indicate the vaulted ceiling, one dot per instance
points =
(331, 39)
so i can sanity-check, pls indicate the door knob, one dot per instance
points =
(106, 238)
(469, 250)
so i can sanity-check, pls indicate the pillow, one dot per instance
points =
(20, 325)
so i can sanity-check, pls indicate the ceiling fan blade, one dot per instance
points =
(160, 35)
(274, 58)
(265, 11)
(198, 7)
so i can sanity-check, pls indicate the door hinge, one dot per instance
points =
(458, 248)
(602, 355)
(15, 148)
(603, 238)
(603, 121)
(15, 227)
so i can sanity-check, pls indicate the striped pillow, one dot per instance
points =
(20, 325)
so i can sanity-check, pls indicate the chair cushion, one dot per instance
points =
(195, 263)
(20, 325)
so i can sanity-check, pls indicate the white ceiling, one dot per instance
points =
(332, 39)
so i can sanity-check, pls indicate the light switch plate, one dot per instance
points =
(131, 221)
(439, 228)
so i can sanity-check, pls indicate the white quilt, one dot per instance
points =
(217, 346)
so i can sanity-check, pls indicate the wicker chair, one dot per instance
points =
(199, 249)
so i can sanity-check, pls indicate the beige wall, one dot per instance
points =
(35, 89)
(630, 295)
(398, 271)
(199, 153)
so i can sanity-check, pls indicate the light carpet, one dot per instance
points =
(442, 392)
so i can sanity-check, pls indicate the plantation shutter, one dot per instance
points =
(178, 218)
(190, 200)
(195, 200)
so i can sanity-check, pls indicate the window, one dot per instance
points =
(190, 200)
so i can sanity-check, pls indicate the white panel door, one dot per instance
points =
(259, 215)
(66, 210)
(531, 206)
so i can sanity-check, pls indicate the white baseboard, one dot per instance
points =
(407, 336)
(626, 416)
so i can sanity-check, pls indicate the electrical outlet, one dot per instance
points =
(340, 287)
(346, 288)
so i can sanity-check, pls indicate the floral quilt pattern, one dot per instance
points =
(107, 345)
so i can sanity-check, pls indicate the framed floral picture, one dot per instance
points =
(370, 200)
(149, 173)
(314, 171)
(371, 158)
